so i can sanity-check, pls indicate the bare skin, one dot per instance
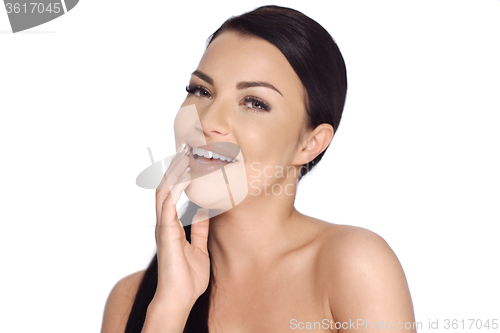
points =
(274, 267)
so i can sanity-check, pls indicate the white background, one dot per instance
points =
(415, 158)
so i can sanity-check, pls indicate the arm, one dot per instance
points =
(165, 318)
(160, 316)
(368, 288)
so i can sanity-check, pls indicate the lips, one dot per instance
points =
(227, 149)
(201, 166)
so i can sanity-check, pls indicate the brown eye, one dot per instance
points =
(256, 104)
(199, 91)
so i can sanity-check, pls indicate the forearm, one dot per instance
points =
(165, 318)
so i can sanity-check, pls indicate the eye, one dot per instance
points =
(198, 90)
(256, 104)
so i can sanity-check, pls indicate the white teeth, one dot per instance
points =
(209, 154)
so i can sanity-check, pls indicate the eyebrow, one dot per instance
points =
(243, 85)
(239, 85)
(204, 77)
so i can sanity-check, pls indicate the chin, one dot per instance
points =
(209, 193)
(212, 192)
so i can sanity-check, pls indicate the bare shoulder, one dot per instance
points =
(346, 246)
(350, 245)
(119, 303)
(348, 251)
(363, 277)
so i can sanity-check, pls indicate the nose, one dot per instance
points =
(214, 119)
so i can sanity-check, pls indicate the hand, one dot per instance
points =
(183, 268)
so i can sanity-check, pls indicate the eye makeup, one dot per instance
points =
(194, 88)
(257, 104)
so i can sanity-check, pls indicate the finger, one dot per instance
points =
(179, 156)
(169, 221)
(181, 152)
(168, 205)
(199, 230)
(169, 231)
(168, 181)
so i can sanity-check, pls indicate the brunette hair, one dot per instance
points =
(317, 60)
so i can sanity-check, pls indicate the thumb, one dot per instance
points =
(199, 230)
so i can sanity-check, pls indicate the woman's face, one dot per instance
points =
(246, 93)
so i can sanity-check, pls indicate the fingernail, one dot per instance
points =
(184, 173)
(181, 147)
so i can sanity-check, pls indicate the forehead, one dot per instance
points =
(232, 57)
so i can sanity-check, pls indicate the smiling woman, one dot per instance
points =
(272, 83)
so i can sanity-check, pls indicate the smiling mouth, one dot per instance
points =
(203, 153)
(203, 160)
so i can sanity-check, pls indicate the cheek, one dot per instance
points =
(264, 165)
(269, 146)
(270, 159)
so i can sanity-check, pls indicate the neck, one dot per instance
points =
(254, 234)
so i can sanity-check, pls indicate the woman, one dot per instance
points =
(272, 82)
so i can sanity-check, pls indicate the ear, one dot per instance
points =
(314, 143)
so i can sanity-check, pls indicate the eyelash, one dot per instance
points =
(191, 89)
